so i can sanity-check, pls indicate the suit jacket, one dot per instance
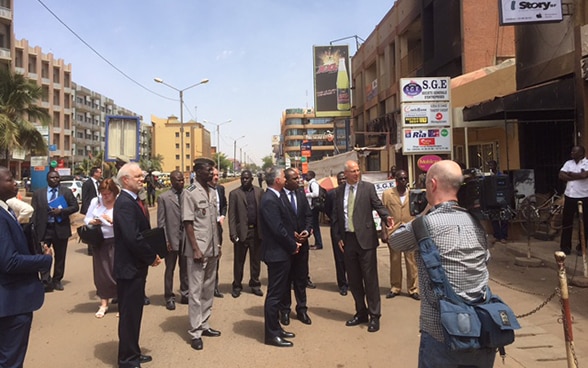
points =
(366, 200)
(303, 217)
(88, 193)
(238, 212)
(169, 217)
(277, 228)
(132, 255)
(20, 288)
(400, 212)
(41, 216)
(222, 200)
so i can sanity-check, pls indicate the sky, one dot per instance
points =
(256, 54)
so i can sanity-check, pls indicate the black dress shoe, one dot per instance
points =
(304, 318)
(146, 301)
(197, 344)
(391, 295)
(343, 290)
(257, 291)
(356, 320)
(48, 287)
(218, 294)
(235, 293)
(415, 296)
(374, 324)
(286, 334)
(310, 284)
(145, 358)
(114, 301)
(211, 333)
(170, 304)
(285, 318)
(184, 300)
(279, 342)
(57, 285)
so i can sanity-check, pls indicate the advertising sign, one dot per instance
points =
(332, 89)
(306, 149)
(425, 162)
(122, 138)
(426, 140)
(425, 89)
(422, 114)
(518, 12)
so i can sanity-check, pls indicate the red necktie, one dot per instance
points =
(140, 202)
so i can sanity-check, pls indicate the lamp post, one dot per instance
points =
(217, 140)
(235, 152)
(181, 91)
(241, 153)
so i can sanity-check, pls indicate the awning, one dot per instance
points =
(551, 101)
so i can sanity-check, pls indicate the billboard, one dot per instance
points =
(427, 140)
(122, 138)
(425, 89)
(422, 114)
(332, 89)
(519, 12)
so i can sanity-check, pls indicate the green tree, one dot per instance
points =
(225, 163)
(18, 96)
(152, 163)
(268, 162)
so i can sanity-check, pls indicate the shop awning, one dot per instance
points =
(551, 101)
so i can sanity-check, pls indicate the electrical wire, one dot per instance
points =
(100, 55)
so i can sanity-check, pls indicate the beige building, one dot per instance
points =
(166, 141)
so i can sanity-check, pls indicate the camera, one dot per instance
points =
(417, 200)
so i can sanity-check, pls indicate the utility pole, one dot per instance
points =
(580, 14)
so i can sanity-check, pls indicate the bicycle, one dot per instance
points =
(542, 214)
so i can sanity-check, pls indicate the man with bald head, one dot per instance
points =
(464, 254)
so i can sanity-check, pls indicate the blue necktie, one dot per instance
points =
(293, 201)
(53, 194)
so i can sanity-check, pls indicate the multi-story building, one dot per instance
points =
(298, 126)
(418, 39)
(6, 33)
(167, 141)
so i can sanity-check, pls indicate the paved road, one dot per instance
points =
(66, 333)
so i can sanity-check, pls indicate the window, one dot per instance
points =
(177, 157)
(177, 135)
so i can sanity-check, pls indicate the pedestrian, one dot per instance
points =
(132, 257)
(313, 192)
(358, 240)
(244, 207)
(340, 272)
(21, 292)
(278, 246)
(397, 202)
(575, 173)
(499, 227)
(295, 200)
(53, 206)
(221, 204)
(169, 217)
(151, 187)
(100, 213)
(260, 178)
(464, 255)
(23, 210)
(89, 192)
(199, 215)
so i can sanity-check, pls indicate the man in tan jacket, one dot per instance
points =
(397, 201)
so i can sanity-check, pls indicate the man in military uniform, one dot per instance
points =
(199, 215)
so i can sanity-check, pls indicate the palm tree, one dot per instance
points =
(17, 98)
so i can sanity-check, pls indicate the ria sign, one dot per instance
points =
(518, 12)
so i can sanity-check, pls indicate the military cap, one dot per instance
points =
(200, 162)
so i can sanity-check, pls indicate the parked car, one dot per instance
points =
(75, 186)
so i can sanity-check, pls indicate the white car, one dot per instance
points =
(75, 186)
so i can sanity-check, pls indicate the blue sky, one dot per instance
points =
(257, 55)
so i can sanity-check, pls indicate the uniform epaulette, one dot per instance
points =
(191, 188)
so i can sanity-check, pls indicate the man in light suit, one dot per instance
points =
(358, 240)
(89, 192)
(132, 257)
(21, 292)
(221, 204)
(169, 217)
(53, 226)
(244, 207)
(278, 245)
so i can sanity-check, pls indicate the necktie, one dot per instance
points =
(13, 214)
(96, 185)
(53, 194)
(350, 207)
(140, 202)
(293, 201)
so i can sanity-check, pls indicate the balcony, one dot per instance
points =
(5, 14)
(411, 63)
(5, 54)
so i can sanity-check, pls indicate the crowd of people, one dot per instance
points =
(272, 226)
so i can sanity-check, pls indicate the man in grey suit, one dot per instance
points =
(169, 217)
(355, 233)
(52, 224)
(244, 207)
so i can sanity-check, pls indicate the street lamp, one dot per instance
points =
(217, 140)
(235, 152)
(241, 153)
(181, 91)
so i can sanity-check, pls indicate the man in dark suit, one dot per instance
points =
(278, 245)
(89, 192)
(169, 217)
(90, 188)
(244, 206)
(21, 292)
(295, 200)
(132, 257)
(358, 240)
(337, 253)
(221, 204)
(52, 224)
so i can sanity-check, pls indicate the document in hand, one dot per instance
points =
(156, 239)
(58, 202)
